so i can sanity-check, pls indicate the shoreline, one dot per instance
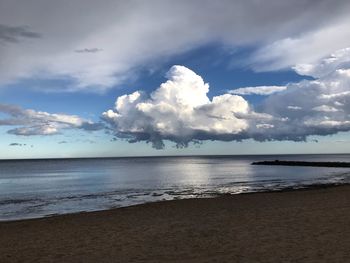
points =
(315, 186)
(308, 225)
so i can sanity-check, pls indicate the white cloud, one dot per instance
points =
(327, 65)
(306, 49)
(330, 124)
(265, 126)
(259, 90)
(316, 107)
(114, 38)
(180, 111)
(291, 107)
(325, 108)
(335, 95)
(28, 122)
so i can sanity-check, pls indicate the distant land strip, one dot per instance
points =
(302, 163)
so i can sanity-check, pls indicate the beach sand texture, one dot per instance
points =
(295, 226)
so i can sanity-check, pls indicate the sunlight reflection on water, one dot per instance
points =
(40, 188)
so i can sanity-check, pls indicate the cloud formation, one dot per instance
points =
(180, 110)
(305, 48)
(17, 144)
(259, 90)
(326, 65)
(88, 50)
(13, 34)
(28, 122)
(136, 33)
(313, 107)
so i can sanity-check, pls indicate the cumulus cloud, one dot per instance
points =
(259, 90)
(136, 33)
(316, 107)
(29, 122)
(180, 111)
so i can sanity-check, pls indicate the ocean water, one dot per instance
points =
(38, 188)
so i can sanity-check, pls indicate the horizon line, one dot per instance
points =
(163, 156)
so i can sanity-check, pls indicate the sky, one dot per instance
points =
(84, 78)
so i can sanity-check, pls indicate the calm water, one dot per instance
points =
(39, 188)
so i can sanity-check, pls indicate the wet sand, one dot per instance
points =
(295, 226)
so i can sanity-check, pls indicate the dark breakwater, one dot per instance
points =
(303, 163)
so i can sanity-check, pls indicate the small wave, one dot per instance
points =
(18, 201)
(19, 208)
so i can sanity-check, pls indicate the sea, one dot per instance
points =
(46, 187)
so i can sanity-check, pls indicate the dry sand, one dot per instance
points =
(296, 226)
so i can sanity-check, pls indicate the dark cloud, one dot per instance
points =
(17, 144)
(88, 50)
(85, 141)
(13, 34)
(92, 126)
(34, 130)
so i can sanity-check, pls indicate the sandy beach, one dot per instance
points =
(295, 226)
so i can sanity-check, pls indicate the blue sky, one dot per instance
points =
(175, 77)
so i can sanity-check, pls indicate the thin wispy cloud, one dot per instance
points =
(29, 122)
(259, 90)
(14, 34)
(17, 144)
(88, 50)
